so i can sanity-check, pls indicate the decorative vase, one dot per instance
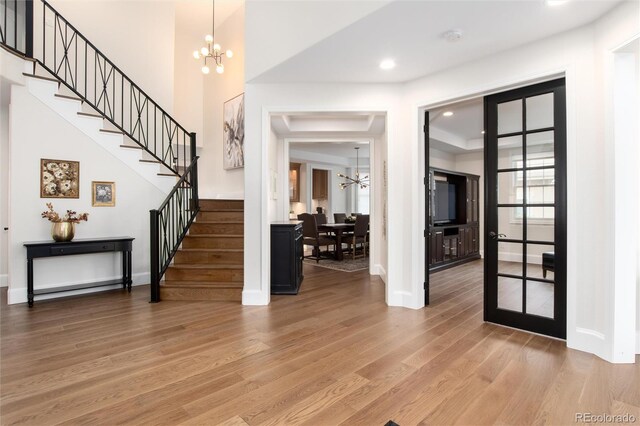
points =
(63, 231)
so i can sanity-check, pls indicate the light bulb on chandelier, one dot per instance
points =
(212, 50)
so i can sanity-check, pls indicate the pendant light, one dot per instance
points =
(212, 50)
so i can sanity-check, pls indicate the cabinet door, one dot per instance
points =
(437, 247)
(451, 248)
(476, 239)
(475, 196)
(320, 184)
(469, 200)
(294, 182)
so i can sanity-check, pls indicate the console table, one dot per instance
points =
(38, 249)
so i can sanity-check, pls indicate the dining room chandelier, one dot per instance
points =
(212, 50)
(361, 182)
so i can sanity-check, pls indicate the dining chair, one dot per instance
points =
(312, 237)
(340, 217)
(360, 235)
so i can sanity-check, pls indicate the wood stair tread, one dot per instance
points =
(197, 266)
(213, 250)
(131, 146)
(88, 114)
(116, 132)
(72, 98)
(26, 74)
(220, 222)
(215, 236)
(203, 284)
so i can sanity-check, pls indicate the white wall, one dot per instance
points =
(4, 180)
(138, 36)
(11, 68)
(441, 159)
(55, 138)
(574, 54)
(188, 80)
(215, 182)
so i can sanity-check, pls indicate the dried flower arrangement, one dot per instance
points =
(70, 216)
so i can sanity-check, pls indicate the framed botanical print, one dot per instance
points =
(59, 179)
(103, 194)
(233, 133)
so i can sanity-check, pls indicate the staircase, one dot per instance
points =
(210, 263)
(195, 245)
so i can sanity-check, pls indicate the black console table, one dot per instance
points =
(37, 249)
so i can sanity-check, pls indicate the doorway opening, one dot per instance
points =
(320, 155)
(520, 164)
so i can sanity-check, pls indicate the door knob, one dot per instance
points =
(495, 236)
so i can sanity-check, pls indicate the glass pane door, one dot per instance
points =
(526, 209)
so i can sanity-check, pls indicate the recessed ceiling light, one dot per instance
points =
(452, 35)
(556, 2)
(447, 113)
(482, 132)
(388, 64)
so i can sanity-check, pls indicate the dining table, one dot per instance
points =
(338, 230)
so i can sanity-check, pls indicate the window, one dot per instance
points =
(540, 188)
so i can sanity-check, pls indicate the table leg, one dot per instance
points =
(339, 255)
(30, 282)
(124, 269)
(129, 267)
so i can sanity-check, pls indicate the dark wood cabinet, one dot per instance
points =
(294, 182)
(454, 230)
(320, 184)
(286, 257)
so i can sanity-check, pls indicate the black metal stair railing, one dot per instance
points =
(88, 73)
(171, 221)
(16, 26)
(97, 81)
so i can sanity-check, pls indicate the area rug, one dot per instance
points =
(347, 265)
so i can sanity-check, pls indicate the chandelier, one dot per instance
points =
(212, 50)
(362, 183)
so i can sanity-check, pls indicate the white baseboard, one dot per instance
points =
(638, 342)
(403, 299)
(19, 295)
(4, 280)
(255, 297)
(587, 340)
(379, 270)
(221, 195)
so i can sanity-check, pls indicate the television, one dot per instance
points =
(445, 203)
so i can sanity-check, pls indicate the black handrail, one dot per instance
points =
(171, 221)
(107, 89)
(16, 26)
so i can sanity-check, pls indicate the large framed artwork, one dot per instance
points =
(59, 179)
(233, 134)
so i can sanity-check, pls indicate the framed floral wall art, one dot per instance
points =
(103, 194)
(233, 133)
(59, 179)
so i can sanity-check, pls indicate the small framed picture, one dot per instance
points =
(103, 194)
(59, 178)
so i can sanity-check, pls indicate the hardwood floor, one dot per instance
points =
(334, 354)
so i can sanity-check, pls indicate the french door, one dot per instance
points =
(525, 208)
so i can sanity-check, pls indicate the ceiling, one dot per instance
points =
(196, 14)
(339, 149)
(411, 32)
(329, 137)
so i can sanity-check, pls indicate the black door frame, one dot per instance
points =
(557, 326)
(427, 217)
